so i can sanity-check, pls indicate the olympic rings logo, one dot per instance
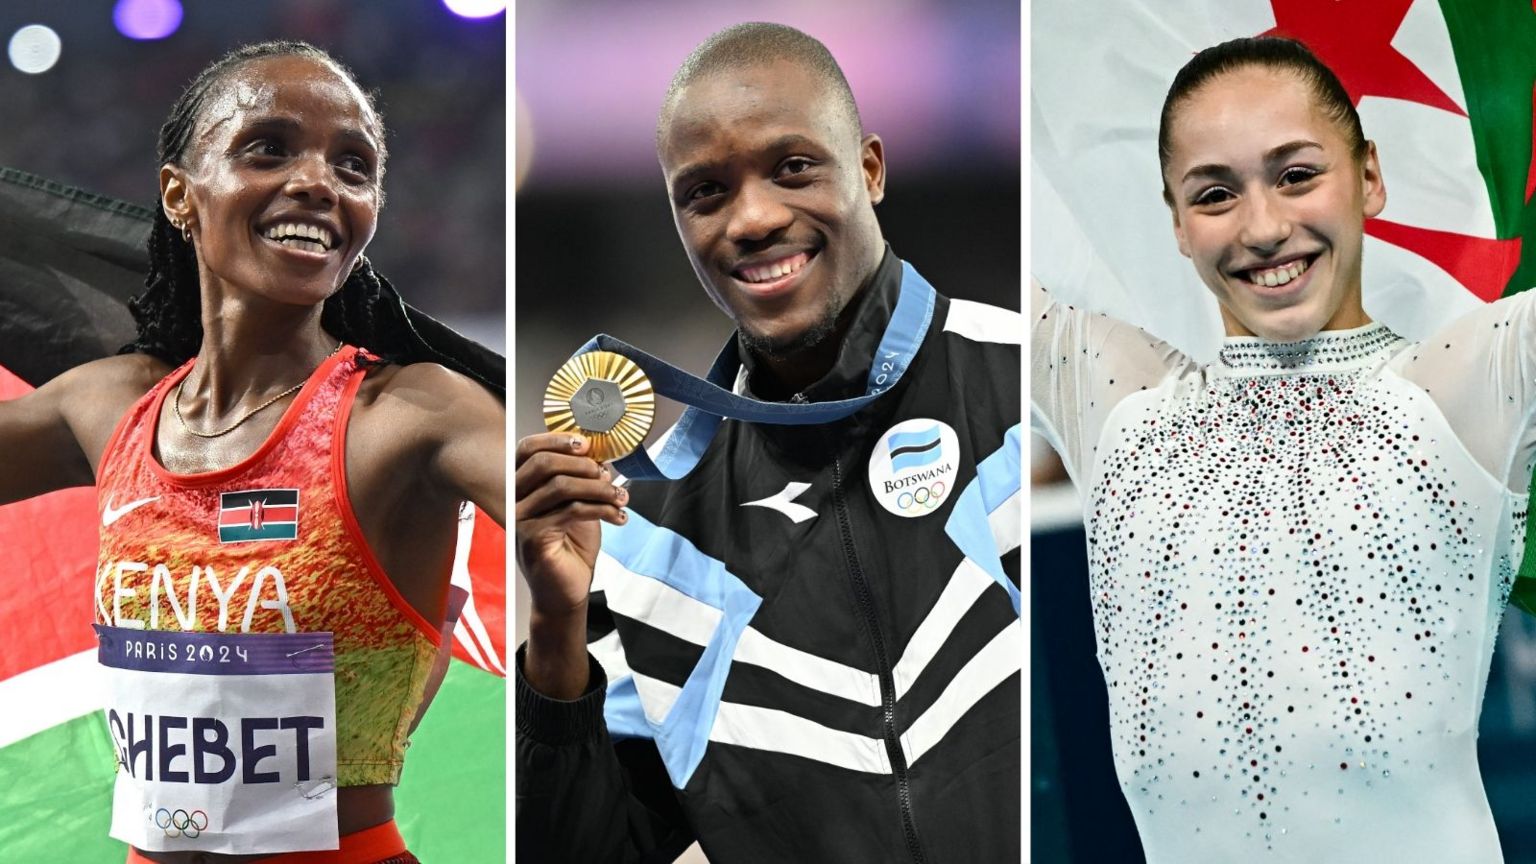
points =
(180, 823)
(922, 498)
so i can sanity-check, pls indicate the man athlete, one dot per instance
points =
(832, 674)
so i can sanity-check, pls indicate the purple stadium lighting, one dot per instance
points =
(476, 8)
(147, 19)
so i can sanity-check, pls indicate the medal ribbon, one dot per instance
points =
(710, 400)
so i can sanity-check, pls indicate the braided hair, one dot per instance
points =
(367, 311)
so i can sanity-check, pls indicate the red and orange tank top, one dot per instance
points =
(269, 545)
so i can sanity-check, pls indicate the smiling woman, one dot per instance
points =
(1299, 554)
(322, 130)
(1260, 199)
(281, 494)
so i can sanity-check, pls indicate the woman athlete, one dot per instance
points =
(279, 482)
(1298, 554)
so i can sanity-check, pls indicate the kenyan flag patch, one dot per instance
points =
(259, 514)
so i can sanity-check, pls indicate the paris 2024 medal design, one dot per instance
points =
(606, 398)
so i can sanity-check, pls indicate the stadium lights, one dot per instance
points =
(147, 19)
(476, 8)
(34, 49)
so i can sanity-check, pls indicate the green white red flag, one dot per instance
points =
(1446, 89)
(69, 261)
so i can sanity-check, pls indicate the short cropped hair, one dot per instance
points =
(756, 43)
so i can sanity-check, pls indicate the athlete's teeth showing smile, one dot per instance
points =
(774, 269)
(295, 235)
(1272, 276)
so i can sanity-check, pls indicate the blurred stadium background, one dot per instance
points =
(90, 119)
(596, 247)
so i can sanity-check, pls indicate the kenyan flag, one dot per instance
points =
(68, 263)
(258, 514)
(1446, 89)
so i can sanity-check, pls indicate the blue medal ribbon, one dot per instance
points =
(710, 400)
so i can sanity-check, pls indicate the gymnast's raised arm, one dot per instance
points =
(1082, 365)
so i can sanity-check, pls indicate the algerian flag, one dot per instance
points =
(1445, 89)
(68, 262)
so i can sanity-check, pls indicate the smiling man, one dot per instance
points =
(808, 648)
(773, 186)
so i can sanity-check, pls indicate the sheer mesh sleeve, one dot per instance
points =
(1081, 366)
(1481, 372)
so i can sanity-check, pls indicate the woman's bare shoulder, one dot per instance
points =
(57, 433)
(93, 396)
(420, 406)
(125, 368)
(123, 375)
(410, 417)
(426, 387)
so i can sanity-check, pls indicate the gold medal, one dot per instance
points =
(604, 397)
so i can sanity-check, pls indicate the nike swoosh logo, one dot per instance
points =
(784, 502)
(109, 515)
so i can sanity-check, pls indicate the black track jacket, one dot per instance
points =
(811, 644)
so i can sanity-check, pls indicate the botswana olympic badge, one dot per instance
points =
(606, 398)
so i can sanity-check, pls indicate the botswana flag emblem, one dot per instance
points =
(914, 449)
(259, 514)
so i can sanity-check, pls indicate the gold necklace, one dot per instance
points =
(176, 405)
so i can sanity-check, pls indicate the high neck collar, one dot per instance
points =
(1328, 351)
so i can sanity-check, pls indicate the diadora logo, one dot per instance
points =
(784, 502)
(111, 514)
(259, 514)
(913, 467)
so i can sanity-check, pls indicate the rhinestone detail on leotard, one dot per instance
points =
(1278, 561)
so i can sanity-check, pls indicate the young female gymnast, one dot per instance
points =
(1299, 554)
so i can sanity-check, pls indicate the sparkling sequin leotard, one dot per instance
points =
(1298, 559)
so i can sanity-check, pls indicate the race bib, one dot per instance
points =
(226, 742)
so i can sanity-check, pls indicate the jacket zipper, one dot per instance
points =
(866, 603)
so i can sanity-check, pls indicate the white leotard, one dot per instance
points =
(1298, 558)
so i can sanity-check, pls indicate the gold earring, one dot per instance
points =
(186, 232)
